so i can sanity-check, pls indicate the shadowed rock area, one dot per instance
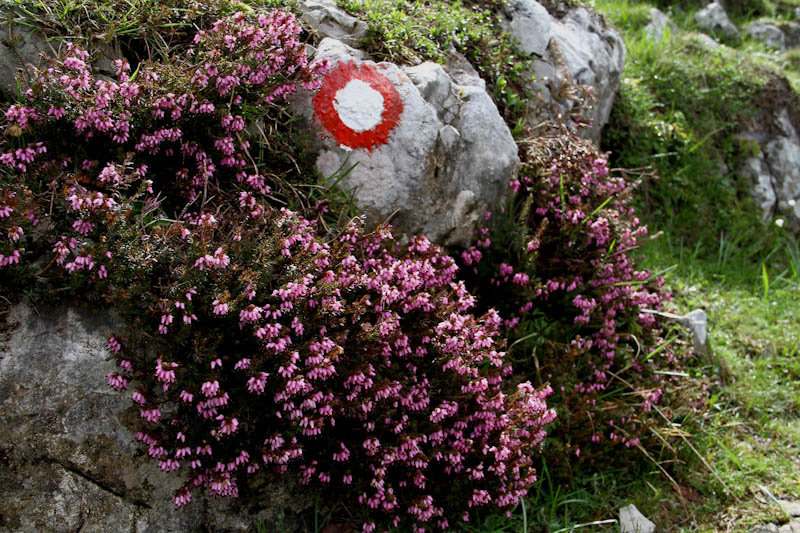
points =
(69, 461)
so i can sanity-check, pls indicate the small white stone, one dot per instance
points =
(360, 106)
(789, 507)
(697, 323)
(632, 521)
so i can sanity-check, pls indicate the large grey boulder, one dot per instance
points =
(775, 169)
(713, 18)
(593, 55)
(657, 27)
(578, 74)
(769, 34)
(330, 21)
(20, 49)
(461, 70)
(448, 158)
(791, 30)
(529, 24)
(69, 457)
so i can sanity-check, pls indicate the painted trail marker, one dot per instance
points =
(358, 105)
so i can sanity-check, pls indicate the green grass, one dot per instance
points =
(745, 449)
(752, 433)
(681, 107)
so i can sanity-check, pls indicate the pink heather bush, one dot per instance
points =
(255, 345)
(338, 362)
(570, 293)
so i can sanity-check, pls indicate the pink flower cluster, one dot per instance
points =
(239, 62)
(570, 273)
(365, 366)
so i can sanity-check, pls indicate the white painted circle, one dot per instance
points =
(360, 107)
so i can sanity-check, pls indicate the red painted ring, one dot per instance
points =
(325, 111)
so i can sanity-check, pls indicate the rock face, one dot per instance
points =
(447, 157)
(659, 22)
(791, 31)
(713, 18)
(20, 48)
(69, 460)
(529, 24)
(594, 56)
(780, 35)
(791, 508)
(431, 152)
(330, 21)
(769, 34)
(577, 51)
(760, 175)
(775, 169)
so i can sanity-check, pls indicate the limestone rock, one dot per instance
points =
(706, 41)
(632, 521)
(769, 34)
(659, 22)
(584, 54)
(791, 527)
(792, 508)
(576, 51)
(69, 459)
(775, 170)
(792, 32)
(23, 48)
(529, 25)
(783, 155)
(448, 158)
(594, 56)
(757, 171)
(20, 49)
(765, 528)
(461, 70)
(713, 18)
(697, 323)
(330, 21)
